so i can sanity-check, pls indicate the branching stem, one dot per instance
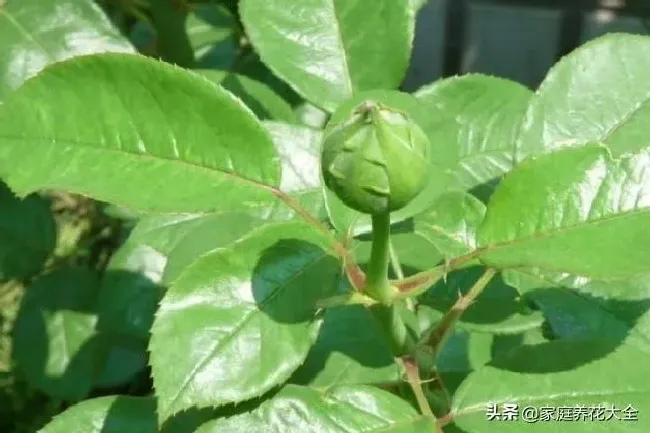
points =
(413, 378)
(439, 335)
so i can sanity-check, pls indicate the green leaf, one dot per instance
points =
(125, 359)
(616, 310)
(240, 318)
(349, 350)
(55, 342)
(310, 115)
(27, 234)
(173, 44)
(357, 409)
(299, 151)
(299, 157)
(210, 29)
(330, 49)
(189, 420)
(113, 414)
(249, 64)
(257, 96)
(36, 33)
(472, 122)
(557, 374)
(215, 232)
(451, 223)
(130, 290)
(574, 210)
(499, 309)
(465, 351)
(149, 121)
(600, 92)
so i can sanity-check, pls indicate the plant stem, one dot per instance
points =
(377, 284)
(394, 329)
(413, 378)
(437, 338)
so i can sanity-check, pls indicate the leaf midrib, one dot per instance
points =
(92, 147)
(559, 230)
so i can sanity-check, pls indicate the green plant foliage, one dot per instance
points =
(363, 408)
(345, 46)
(473, 122)
(257, 96)
(555, 374)
(549, 212)
(107, 415)
(172, 259)
(245, 300)
(55, 342)
(37, 33)
(27, 226)
(149, 135)
(597, 93)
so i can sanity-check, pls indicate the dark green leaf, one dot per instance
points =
(617, 310)
(464, 352)
(173, 44)
(210, 29)
(499, 309)
(125, 359)
(349, 350)
(240, 320)
(130, 289)
(257, 96)
(114, 414)
(55, 342)
(328, 50)
(27, 234)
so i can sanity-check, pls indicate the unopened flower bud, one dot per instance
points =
(376, 161)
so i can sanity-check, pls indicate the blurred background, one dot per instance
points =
(515, 39)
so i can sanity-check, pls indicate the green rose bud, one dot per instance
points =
(376, 161)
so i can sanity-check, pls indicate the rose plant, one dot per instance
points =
(399, 268)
